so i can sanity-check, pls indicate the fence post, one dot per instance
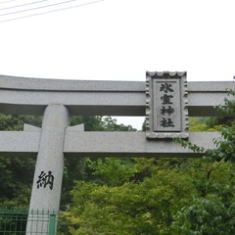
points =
(52, 224)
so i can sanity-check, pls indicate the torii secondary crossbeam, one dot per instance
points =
(166, 99)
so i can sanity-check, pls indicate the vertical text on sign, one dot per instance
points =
(166, 105)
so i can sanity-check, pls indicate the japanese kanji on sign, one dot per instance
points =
(167, 112)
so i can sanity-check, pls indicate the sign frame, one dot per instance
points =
(178, 104)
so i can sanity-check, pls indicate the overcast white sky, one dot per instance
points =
(118, 39)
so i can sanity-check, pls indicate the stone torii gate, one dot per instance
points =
(166, 99)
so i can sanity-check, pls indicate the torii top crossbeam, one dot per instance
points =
(125, 98)
(19, 95)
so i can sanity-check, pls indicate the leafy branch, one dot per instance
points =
(225, 145)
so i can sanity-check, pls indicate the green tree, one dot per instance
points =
(213, 211)
(16, 171)
(127, 206)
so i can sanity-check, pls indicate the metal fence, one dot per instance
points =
(21, 222)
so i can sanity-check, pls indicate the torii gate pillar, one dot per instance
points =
(48, 174)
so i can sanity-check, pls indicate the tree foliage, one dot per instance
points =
(160, 202)
(16, 171)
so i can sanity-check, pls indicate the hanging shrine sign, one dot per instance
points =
(166, 105)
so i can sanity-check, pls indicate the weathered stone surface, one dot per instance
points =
(131, 144)
(31, 96)
(166, 105)
(28, 127)
(97, 143)
(50, 157)
(39, 84)
(48, 173)
(80, 127)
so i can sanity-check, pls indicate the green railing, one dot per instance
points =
(21, 222)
